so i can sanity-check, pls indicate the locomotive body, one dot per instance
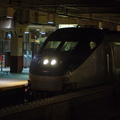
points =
(73, 58)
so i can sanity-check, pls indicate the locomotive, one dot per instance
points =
(73, 58)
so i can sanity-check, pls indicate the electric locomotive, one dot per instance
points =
(73, 58)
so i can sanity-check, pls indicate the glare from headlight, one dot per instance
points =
(53, 62)
(46, 61)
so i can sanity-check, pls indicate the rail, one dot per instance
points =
(86, 95)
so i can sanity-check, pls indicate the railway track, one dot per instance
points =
(82, 96)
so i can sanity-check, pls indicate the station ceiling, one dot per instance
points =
(101, 10)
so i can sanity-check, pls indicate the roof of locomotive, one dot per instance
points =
(84, 34)
(76, 34)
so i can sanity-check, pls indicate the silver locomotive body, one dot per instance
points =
(73, 58)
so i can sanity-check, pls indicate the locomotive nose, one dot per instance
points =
(47, 65)
(51, 62)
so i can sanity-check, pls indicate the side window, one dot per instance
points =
(92, 45)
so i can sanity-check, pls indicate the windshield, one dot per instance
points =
(65, 46)
(68, 46)
(52, 44)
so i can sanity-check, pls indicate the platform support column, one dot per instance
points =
(118, 28)
(16, 53)
(100, 25)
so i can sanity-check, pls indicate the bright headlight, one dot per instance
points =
(46, 61)
(53, 62)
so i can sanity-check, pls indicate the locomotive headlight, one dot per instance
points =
(53, 62)
(46, 61)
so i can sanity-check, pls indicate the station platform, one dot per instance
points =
(9, 80)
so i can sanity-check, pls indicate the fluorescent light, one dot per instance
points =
(50, 22)
(26, 32)
(42, 33)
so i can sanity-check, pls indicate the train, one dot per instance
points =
(75, 58)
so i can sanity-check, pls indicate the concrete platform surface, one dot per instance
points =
(8, 79)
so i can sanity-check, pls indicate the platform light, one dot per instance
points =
(26, 32)
(42, 33)
(67, 25)
(50, 22)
